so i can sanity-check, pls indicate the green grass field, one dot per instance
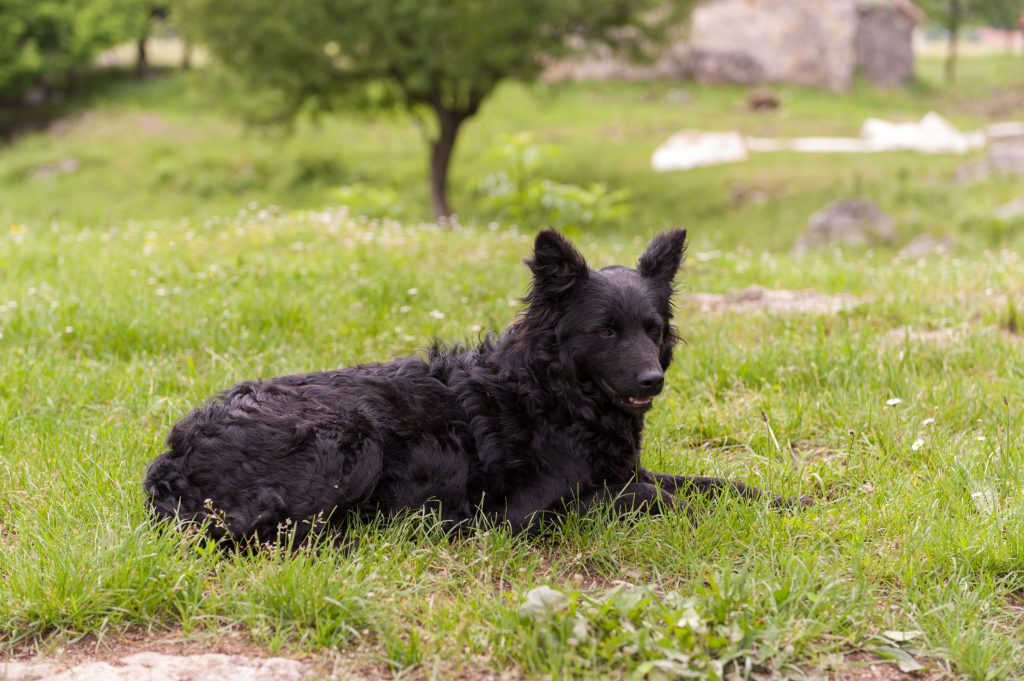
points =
(138, 285)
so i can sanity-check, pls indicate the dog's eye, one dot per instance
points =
(654, 332)
(606, 332)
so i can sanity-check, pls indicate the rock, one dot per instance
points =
(933, 134)
(1010, 211)
(150, 666)
(763, 100)
(693, 149)
(847, 222)
(927, 244)
(26, 671)
(62, 166)
(1005, 157)
(542, 601)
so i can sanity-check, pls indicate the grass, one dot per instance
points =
(128, 296)
(169, 150)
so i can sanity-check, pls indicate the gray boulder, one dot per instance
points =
(1004, 157)
(847, 222)
(925, 245)
(1010, 211)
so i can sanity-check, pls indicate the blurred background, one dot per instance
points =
(520, 113)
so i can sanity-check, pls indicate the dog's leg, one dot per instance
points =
(714, 486)
(632, 497)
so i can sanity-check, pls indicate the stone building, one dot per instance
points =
(805, 42)
(885, 40)
(819, 43)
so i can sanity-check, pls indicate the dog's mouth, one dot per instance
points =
(636, 405)
(633, 404)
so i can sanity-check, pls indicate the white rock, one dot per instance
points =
(149, 666)
(694, 149)
(542, 601)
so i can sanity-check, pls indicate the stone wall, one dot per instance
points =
(819, 43)
(885, 42)
(806, 42)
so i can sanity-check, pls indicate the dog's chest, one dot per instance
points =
(594, 455)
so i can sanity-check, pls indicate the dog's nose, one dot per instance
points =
(651, 380)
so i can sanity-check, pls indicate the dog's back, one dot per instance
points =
(300, 448)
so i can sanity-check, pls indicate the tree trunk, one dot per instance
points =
(955, 9)
(441, 149)
(186, 54)
(141, 59)
(951, 57)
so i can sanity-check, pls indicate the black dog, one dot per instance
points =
(544, 418)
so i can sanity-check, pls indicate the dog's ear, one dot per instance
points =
(556, 264)
(663, 256)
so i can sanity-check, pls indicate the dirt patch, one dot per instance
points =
(947, 337)
(63, 126)
(867, 667)
(942, 338)
(1002, 102)
(773, 301)
(120, 644)
(145, 122)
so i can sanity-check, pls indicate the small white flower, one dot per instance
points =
(69, 329)
(437, 314)
(928, 421)
(475, 328)
(404, 308)
(161, 291)
(894, 401)
(412, 291)
(918, 443)
(981, 438)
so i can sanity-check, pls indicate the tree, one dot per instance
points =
(438, 59)
(951, 15)
(44, 43)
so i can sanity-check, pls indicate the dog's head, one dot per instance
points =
(613, 326)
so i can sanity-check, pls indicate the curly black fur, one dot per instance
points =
(545, 417)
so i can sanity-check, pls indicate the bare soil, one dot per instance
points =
(772, 301)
